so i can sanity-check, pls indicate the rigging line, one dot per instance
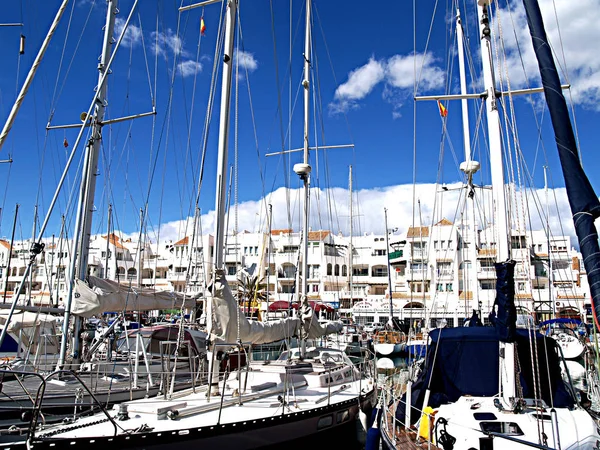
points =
(165, 125)
(279, 109)
(318, 107)
(56, 96)
(416, 82)
(152, 97)
(62, 55)
(255, 134)
(236, 146)
(566, 73)
(208, 116)
(191, 120)
(188, 175)
(328, 53)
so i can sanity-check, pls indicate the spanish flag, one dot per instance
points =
(443, 110)
(202, 26)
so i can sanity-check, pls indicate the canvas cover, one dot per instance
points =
(96, 296)
(465, 361)
(228, 323)
(33, 328)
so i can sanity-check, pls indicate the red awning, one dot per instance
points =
(320, 306)
(281, 305)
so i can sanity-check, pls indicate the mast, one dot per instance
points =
(36, 63)
(350, 248)
(10, 250)
(221, 187)
(61, 238)
(469, 167)
(83, 225)
(107, 259)
(221, 190)
(583, 201)
(303, 169)
(550, 281)
(507, 355)
(387, 252)
(269, 257)
(30, 288)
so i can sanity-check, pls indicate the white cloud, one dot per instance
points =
(361, 82)
(247, 61)
(189, 67)
(397, 74)
(568, 37)
(133, 35)
(368, 208)
(166, 41)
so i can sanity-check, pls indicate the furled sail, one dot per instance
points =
(584, 203)
(96, 296)
(504, 313)
(229, 324)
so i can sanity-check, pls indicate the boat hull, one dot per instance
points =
(337, 420)
(387, 349)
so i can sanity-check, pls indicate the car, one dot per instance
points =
(373, 327)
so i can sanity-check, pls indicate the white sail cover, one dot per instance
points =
(23, 327)
(97, 296)
(227, 320)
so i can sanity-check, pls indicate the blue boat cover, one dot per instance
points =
(465, 361)
(568, 320)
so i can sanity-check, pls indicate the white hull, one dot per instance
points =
(281, 401)
(388, 349)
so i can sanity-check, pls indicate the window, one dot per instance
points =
(449, 287)
(329, 269)
(440, 287)
(488, 284)
(337, 270)
(435, 244)
(231, 270)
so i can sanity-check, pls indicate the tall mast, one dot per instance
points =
(61, 238)
(469, 167)
(387, 253)
(30, 285)
(550, 281)
(350, 249)
(107, 258)
(83, 224)
(303, 169)
(507, 355)
(269, 257)
(36, 64)
(221, 190)
(10, 252)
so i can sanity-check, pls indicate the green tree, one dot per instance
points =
(251, 290)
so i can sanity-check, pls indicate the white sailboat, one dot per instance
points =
(307, 393)
(491, 387)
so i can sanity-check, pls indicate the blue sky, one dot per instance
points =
(363, 67)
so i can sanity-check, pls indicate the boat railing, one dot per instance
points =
(38, 400)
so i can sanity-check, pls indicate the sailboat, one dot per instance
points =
(70, 386)
(392, 340)
(307, 393)
(499, 386)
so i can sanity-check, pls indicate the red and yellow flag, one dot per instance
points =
(443, 110)
(202, 26)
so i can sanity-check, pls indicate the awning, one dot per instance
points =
(282, 305)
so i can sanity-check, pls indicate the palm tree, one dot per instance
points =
(251, 290)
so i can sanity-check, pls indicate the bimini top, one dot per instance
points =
(465, 361)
